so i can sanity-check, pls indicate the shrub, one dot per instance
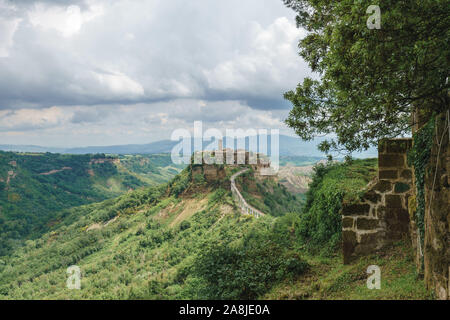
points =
(185, 225)
(320, 226)
(247, 270)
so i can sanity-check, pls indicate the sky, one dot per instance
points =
(100, 72)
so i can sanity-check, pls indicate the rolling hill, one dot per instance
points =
(151, 243)
(34, 186)
(289, 146)
(187, 240)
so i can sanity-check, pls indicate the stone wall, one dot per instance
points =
(387, 209)
(210, 172)
(381, 215)
(437, 212)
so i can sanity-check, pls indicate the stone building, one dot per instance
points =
(210, 163)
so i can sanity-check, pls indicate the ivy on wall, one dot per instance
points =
(419, 156)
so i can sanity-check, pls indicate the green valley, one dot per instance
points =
(34, 186)
(187, 239)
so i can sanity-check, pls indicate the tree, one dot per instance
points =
(369, 80)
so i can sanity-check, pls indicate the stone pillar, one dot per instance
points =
(381, 216)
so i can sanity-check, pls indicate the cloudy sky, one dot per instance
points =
(101, 72)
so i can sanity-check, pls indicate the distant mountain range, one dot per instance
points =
(289, 146)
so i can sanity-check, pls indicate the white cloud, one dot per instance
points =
(119, 83)
(7, 29)
(32, 119)
(66, 20)
(269, 64)
(130, 71)
(139, 123)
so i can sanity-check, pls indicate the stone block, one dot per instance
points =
(348, 245)
(347, 222)
(397, 215)
(397, 231)
(370, 238)
(391, 160)
(388, 174)
(406, 174)
(381, 146)
(363, 249)
(372, 196)
(383, 186)
(398, 145)
(390, 214)
(393, 201)
(380, 212)
(401, 187)
(349, 209)
(403, 216)
(367, 223)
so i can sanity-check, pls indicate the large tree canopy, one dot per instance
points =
(369, 80)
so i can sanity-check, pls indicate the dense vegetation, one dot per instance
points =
(328, 279)
(369, 79)
(153, 169)
(33, 187)
(320, 225)
(181, 240)
(154, 243)
(418, 158)
(268, 195)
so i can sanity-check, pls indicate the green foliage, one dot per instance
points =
(248, 269)
(370, 78)
(320, 225)
(135, 253)
(153, 169)
(185, 225)
(218, 195)
(180, 182)
(419, 157)
(331, 280)
(268, 195)
(41, 185)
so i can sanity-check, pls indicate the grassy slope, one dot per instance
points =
(319, 238)
(29, 200)
(153, 169)
(145, 245)
(328, 278)
(193, 243)
(320, 227)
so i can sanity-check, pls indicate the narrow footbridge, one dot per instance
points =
(237, 196)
